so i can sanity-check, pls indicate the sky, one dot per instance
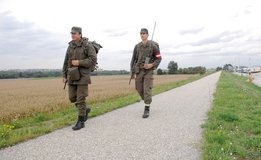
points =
(210, 33)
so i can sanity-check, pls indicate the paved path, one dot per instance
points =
(172, 132)
(257, 78)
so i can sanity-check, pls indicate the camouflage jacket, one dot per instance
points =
(141, 51)
(85, 53)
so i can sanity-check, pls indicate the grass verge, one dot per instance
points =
(24, 129)
(233, 129)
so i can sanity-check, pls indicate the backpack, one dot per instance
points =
(97, 47)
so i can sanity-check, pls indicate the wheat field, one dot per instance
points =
(26, 97)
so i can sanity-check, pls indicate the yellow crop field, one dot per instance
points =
(26, 97)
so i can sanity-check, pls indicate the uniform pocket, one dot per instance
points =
(74, 73)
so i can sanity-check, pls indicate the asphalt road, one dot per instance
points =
(171, 132)
(257, 78)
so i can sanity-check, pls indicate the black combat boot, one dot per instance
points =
(146, 112)
(79, 124)
(88, 110)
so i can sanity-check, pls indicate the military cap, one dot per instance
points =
(144, 30)
(76, 30)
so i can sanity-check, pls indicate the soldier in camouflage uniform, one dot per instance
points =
(146, 58)
(78, 63)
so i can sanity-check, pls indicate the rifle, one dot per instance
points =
(132, 74)
(65, 84)
(153, 30)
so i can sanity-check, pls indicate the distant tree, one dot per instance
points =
(12, 74)
(228, 67)
(110, 72)
(218, 68)
(173, 67)
(160, 72)
(180, 71)
(202, 70)
(192, 70)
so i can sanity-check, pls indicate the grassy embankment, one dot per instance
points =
(233, 129)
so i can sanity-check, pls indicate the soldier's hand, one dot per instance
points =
(64, 80)
(75, 63)
(148, 66)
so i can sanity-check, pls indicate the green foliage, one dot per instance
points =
(160, 72)
(111, 72)
(233, 129)
(172, 67)
(192, 70)
(228, 67)
(44, 73)
(218, 68)
(5, 131)
(13, 74)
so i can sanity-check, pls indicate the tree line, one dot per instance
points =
(41, 73)
(14, 74)
(35, 73)
(173, 69)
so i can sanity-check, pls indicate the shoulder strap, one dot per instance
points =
(85, 44)
(151, 48)
(153, 43)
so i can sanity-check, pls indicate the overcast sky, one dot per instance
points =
(35, 33)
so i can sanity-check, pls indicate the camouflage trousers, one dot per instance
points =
(144, 84)
(77, 95)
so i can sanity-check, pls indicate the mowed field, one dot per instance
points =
(26, 97)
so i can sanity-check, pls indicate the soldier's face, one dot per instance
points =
(144, 36)
(76, 36)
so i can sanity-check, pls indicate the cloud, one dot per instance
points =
(190, 38)
(225, 36)
(192, 31)
(229, 46)
(18, 38)
(116, 32)
(22, 40)
(115, 59)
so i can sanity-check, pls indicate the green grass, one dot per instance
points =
(21, 130)
(233, 129)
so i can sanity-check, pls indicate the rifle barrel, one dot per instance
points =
(64, 85)
(153, 30)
